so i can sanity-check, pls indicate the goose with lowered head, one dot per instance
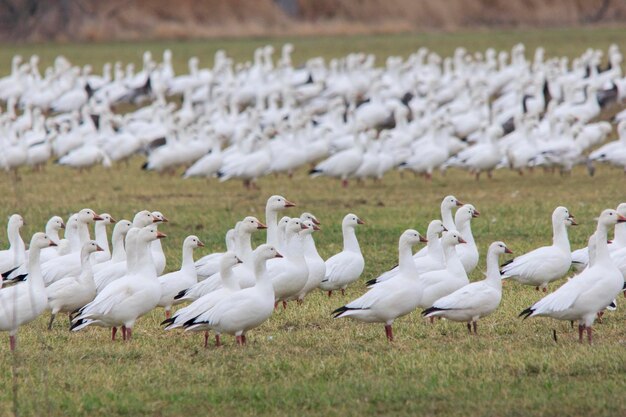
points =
(347, 266)
(475, 300)
(543, 265)
(582, 297)
(393, 298)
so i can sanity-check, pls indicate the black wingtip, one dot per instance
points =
(339, 311)
(6, 274)
(180, 295)
(506, 263)
(371, 282)
(169, 321)
(315, 171)
(77, 323)
(431, 310)
(220, 174)
(526, 313)
(19, 278)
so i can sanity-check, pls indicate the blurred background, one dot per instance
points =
(96, 20)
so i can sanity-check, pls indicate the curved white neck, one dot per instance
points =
(446, 218)
(308, 243)
(263, 282)
(465, 228)
(560, 238)
(620, 234)
(294, 247)
(271, 219)
(602, 248)
(53, 233)
(350, 243)
(243, 246)
(144, 260)
(119, 252)
(187, 263)
(83, 233)
(453, 263)
(406, 263)
(17, 246)
(101, 236)
(86, 273)
(34, 268)
(493, 270)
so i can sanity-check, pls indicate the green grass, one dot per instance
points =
(301, 361)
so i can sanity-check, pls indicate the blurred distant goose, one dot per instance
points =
(24, 302)
(71, 293)
(347, 266)
(185, 277)
(475, 300)
(393, 298)
(123, 301)
(541, 266)
(241, 311)
(229, 284)
(582, 297)
(341, 165)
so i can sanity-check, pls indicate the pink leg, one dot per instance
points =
(113, 333)
(239, 340)
(12, 343)
(589, 337)
(284, 305)
(275, 305)
(475, 327)
(343, 291)
(344, 183)
(123, 332)
(431, 319)
(129, 333)
(168, 314)
(206, 339)
(330, 293)
(243, 339)
(581, 329)
(469, 328)
(218, 342)
(389, 332)
(545, 289)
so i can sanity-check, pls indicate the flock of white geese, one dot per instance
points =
(235, 291)
(347, 118)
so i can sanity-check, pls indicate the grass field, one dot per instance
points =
(301, 361)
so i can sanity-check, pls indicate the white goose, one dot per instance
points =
(543, 265)
(185, 277)
(290, 274)
(274, 205)
(582, 297)
(437, 284)
(468, 253)
(157, 249)
(207, 301)
(13, 257)
(210, 264)
(102, 238)
(24, 302)
(475, 300)
(393, 298)
(347, 266)
(242, 310)
(71, 293)
(122, 302)
(314, 262)
(117, 239)
(448, 203)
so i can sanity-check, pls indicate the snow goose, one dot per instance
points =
(393, 298)
(210, 264)
(24, 302)
(282, 225)
(71, 293)
(242, 310)
(274, 205)
(582, 297)
(229, 284)
(102, 238)
(185, 277)
(13, 257)
(290, 274)
(347, 266)
(314, 262)
(543, 265)
(475, 300)
(244, 274)
(448, 203)
(69, 265)
(468, 253)
(342, 165)
(434, 260)
(156, 248)
(437, 284)
(122, 302)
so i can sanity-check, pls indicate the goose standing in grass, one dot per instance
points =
(12, 258)
(314, 262)
(117, 239)
(122, 302)
(71, 293)
(543, 265)
(24, 302)
(475, 300)
(448, 204)
(157, 249)
(590, 292)
(241, 311)
(185, 277)
(229, 285)
(393, 298)
(275, 204)
(102, 238)
(433, 260)
(347, 266)
(468, 253)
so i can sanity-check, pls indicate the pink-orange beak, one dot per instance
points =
(96, 217)
(573, 220)
(359, 221)
(160, 235)
(278, 255)
(261, 226)
(621, 219)
(423, 239)
(289, 204)
(459, 203)
(475, 213)
(507, 250)
(461, 240)
(200, 244)
(99, 249)
(316, 227)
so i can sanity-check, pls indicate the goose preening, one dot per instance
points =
(390, 299)
(581, 298)
(543, 265)
(478, 299)
(347, 266)
(24, 302)
(476, 112)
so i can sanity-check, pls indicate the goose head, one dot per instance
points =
(499, 248)
(621, 209)
(435, 227)
(264, 252)
(160, 218)
(311, 227)
(412, 237)
(41, 240)
(278, 203)
(449, 202)
(143, 219)
(107, 218)
(88, 216)
(90, 247)
(308, 216)
(228, 260)
(193, 242)
(561, 214)
(55, 223)
(452, 238)
(122, 227)
(294, 226)
(610, 217)
(465, 214)
(250, 224)
(351, 220)
(150, 233)
(16, 222)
